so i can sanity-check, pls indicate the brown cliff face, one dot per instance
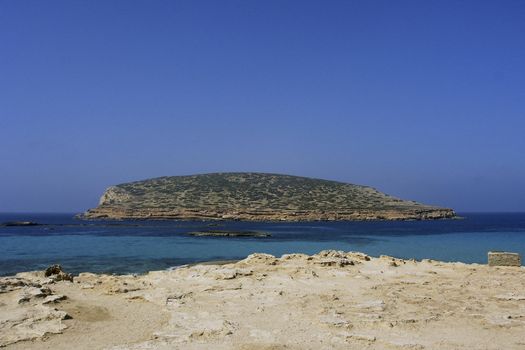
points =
(255, 197)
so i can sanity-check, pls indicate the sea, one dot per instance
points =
(124, 247)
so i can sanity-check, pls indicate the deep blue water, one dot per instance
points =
(139, 246)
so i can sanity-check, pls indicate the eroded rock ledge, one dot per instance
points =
(108, 212)
(333, 299)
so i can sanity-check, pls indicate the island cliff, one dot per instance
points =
(255, 197)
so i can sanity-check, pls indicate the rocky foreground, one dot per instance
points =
(332, 300)
(255, 197)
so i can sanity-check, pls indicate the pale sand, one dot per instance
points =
(332, 300)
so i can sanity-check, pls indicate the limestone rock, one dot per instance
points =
(504, 259)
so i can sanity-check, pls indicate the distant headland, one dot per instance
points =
(255, 197)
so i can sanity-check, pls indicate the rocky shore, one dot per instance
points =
(331, 300)
(109, 212)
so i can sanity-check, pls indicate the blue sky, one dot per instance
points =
(424, 100)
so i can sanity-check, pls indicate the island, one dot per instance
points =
(255, 197)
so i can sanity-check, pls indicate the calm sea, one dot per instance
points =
(139, 246)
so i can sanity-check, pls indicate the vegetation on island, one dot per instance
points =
(255, 196)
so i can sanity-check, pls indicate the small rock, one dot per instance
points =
(29, 293)
(54, 299)
(260, 258)
(57, 274)
(361, 337)
(53, 270)
(504, 259)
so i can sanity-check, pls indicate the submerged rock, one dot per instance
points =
(20, 223)
(219, 233)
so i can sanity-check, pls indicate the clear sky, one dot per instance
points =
(424, 100)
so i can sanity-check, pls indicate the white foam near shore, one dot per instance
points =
(331, 300)
(172, 268)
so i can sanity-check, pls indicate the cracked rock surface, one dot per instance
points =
(331, 300)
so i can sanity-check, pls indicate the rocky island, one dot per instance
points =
(255, 197)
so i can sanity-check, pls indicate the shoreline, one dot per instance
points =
(271, 217)
(333, 299)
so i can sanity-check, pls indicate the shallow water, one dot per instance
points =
(139, 246)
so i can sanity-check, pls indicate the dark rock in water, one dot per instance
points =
(20, 223)
(57, 274)
(218, 233)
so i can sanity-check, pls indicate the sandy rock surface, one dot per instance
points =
(332, 300)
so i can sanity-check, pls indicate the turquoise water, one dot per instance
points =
(139, 246)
